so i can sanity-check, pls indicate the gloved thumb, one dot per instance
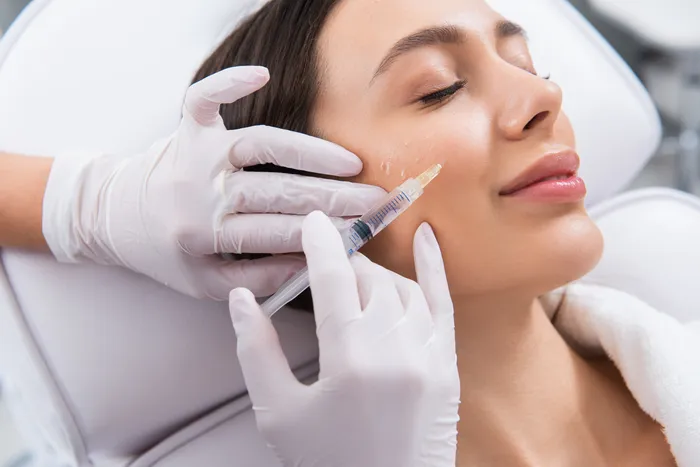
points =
(430, 272)
(265, 368)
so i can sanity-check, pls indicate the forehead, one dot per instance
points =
(359, 33)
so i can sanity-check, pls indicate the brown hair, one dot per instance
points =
(282, 36)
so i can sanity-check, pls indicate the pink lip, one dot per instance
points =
(536, 183)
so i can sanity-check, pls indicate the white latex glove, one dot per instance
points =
(166, 212)
(388, 388)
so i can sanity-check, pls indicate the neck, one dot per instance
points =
(527, 397)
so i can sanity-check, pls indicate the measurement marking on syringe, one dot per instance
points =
(395, 205)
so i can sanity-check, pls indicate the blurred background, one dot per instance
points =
(662, 54)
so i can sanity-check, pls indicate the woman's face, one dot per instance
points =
(410, 83)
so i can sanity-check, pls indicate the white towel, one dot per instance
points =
(658, 356)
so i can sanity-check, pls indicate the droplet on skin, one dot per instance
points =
(386, 166)
(403, 173)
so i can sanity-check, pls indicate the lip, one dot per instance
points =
(552, 178)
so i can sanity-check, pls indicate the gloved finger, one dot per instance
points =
(381, 302)
(265, 368)
(332, 278)
(262, 233)
(204, 97)
(261, 276)
(364, 286)
(260, 192)
(418, 317)
(267, 145)
(430, 270)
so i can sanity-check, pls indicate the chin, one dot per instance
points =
(574, 252)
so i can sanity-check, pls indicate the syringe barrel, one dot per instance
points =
(396, 203)
(288, 292)
(355, 237)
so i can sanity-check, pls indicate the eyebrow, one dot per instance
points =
(436, 35)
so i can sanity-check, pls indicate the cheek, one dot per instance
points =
(459, 196)
(395, 151)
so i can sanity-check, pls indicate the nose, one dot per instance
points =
(529, 105)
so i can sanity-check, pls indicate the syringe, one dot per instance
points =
(358, 233)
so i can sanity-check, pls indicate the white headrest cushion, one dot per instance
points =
(651, 249)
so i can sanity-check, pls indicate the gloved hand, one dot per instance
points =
(166, 212)
(388, 388)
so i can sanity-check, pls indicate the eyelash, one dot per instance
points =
(442, 94)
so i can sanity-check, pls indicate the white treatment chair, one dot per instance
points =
(112, 369)
(672, 28)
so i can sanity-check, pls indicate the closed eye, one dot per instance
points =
(442, 94)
